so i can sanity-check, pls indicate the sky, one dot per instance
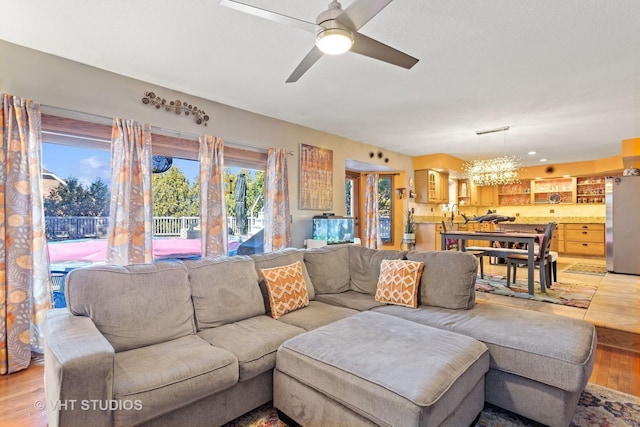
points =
(89, 164)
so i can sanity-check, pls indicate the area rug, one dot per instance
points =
(587, 268)
(571, 294)
(598, 407)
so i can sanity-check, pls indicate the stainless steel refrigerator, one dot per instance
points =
(622, 227)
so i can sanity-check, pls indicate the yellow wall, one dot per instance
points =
(631, 153)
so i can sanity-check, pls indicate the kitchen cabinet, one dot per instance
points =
(515, 194)
(590, 190)
(426, 237)
(431, 186)
(584, 239)
(473, 195)
(553, 191)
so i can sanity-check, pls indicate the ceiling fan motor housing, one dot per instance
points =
(331, 27)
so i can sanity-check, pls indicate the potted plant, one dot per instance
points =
(409, 227)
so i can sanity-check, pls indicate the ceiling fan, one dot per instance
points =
(336, 32)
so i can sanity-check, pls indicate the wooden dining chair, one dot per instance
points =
(542, 260)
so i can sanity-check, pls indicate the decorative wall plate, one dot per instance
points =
(555, 198)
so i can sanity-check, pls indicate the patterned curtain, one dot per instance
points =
(131, 215)
(277, 216)
(213, 209)
(24, 269)
(372, 238)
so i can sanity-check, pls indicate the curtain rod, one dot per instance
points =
(156, 129)
(380, 173)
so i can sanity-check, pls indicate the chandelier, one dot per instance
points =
(499, 171)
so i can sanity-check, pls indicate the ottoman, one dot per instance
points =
(374, 369)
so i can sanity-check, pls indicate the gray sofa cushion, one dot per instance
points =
(280, 258)
(527, 343)
(253, 341)
(169, 375)
(364, 264)
(136, 305)
(448, 279)
(316, 314)
(329, 268)
(224, 290)
(350, 299)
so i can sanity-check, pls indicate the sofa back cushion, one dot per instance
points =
(448, 279)
(364, 264)
(224, 290)
(133, 306)
(328, 268)
(281, 258)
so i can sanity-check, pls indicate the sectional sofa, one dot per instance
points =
(196, 343)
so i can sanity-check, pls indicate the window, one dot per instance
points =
(81, 150)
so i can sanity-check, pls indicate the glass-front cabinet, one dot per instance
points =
(515, 194)
(590, 190)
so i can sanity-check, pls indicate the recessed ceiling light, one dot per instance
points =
(531, 153)
(543, 160)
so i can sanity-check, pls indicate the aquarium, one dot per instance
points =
(333, 229)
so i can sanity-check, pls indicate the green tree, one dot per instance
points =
(172, 194)
(74, 199)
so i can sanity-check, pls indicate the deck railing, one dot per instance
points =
(79, 227)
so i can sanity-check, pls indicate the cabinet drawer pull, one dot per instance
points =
(585, 232)
(585, 244)
(585, 226)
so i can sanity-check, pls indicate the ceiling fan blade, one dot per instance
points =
(361, 11)
(367, 46)
(271, 16)
(311, 58)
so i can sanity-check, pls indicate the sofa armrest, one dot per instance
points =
(78, 371)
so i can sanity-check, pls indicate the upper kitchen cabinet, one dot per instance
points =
(559, 190)
(515, 194)
(431, 186)
(590, 189)
(473, 195)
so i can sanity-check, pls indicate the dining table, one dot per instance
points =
(528, 239)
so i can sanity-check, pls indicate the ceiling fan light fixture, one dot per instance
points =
(334, 41)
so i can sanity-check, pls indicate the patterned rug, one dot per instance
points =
(588, 268)
(598, 407)
(571, 294)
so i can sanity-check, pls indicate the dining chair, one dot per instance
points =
(478, 253)
(542, 260)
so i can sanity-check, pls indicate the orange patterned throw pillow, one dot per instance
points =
(398, 282)
(286, 288)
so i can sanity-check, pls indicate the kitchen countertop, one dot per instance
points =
(525, 220)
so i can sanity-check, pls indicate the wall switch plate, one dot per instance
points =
(552, 210)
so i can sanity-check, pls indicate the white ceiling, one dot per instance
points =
(564, 74)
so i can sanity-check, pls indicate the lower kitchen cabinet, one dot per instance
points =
(584, 239)
(426, 237)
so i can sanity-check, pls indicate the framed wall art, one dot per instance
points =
(316, 178)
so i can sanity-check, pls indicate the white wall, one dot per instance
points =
(54, 81)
